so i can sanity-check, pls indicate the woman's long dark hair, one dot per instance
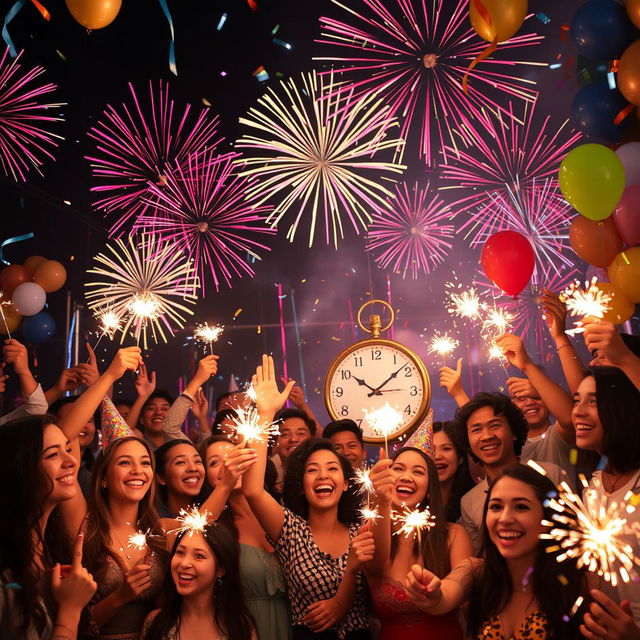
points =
(228, 603)
(434, 543)
(22, 507)
(493, 591)
(293, 493)
(462, 481)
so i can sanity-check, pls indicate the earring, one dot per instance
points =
(219, 581)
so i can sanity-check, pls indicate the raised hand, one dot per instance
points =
(520, 387)
(200, 408)
(69, 380)
(207, 367)
(362, 548)
(451, 379)
(73, 592)
(609, 347)
(145, 384)
(88, 371)
(607, 620)
(296, 395)
(513, 349)
(129, 358)
(555, 314)
(382, 479)
(236, 462)
(15, 353)
(269, 400)
(423, 586)
(136, 581)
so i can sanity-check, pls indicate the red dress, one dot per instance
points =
(401, 620)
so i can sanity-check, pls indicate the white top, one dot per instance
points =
(553, 451)
(35, 404)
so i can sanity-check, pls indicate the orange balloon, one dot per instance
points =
(595, 242)
(624, 273)
(633, 11)
(629, 73)
(506, 17)
(94, 14)
(621, 308)
(50, 275)
(11, 317)
(11, 277)
(32, 263)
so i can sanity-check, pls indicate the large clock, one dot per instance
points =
(372, 374)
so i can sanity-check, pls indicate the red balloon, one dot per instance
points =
(508, 261)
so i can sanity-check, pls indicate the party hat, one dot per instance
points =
(113, 424)
(422, 437)
(233, 385)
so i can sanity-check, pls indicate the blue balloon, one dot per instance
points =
(38, 328)
(594, 110)
(601, 30)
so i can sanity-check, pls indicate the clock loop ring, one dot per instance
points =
(383, 303)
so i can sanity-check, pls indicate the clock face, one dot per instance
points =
(375, 375)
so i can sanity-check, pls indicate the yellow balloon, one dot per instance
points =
(94, 14)
(624, 273)
(506, 17)
(621, 308)
(11, 320)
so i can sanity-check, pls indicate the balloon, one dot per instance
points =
(629, 73)
(600, 30)
(591, 178)
(627, 215)
(506, 16)
(32, 263)
(629, 155)
(94, 14)
(38, 328)
(597, 243)
(11, 317)
(621, 308)
(50, 275)
(594, 110)
(624, 273)
(508, 261)
(633, 11)
(11, 277)
(29, 298)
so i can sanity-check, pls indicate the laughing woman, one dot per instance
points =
(315, 535)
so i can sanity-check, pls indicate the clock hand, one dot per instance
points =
(391, 377)
(362, 383)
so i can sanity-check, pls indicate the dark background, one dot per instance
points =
(95, 71)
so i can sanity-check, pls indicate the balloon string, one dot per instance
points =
(487, 52)
(8, 241)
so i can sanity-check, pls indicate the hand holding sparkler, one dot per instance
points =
(145, 385)
(136, 581)
(236, 462)
(587, 302)
(513, 349)
(268, 399)
(610, 349)
(361, 549)
(129, 358)
(423, 587)
(207, 368)
(555, 314)
(382, 480)
(208, 334)
(384, 420)
(608, 620)
(88, 371)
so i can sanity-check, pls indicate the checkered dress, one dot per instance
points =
(313, 575)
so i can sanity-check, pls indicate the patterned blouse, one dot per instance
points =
(533, 627)
(313, 575)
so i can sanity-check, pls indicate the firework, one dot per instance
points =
(464, 303)
(138, 540)
(367, 513)
(249, 427)
(25, 141)
(384, 420)
(442, 344)
(414, 56)
(208, 333)
(584, 302)
(496, 155)
(408, 236)
(136, 144)
(316, 157)
(202, 207)
(591, 529)
(151, 285)
(192, 521)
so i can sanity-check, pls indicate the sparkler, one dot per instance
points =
(442, 344)
(583, 302)
(363, 480)
(249, 427)
(384, 420)
(193, 521)
(414, 56)
(203, 208)
(408, 235)
(4, 319)
(498, 320)
(367, 513)
(590, 530)
(151, 285)
(138, 540)
(466, 303)
(413, 522)
(314, 151)
(208, 334)
(24, 140)
(135, 147)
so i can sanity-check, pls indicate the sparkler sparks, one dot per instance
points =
(24, 142)
(363, 480)
(110, 322)
(193, 521)
(134, 149)
(250, 392)
(249, 427)
(415, 58)
(498, 321)
(384, 421)
(465, 303)
(367, 513)
(583, 302)
(314, 147)
(149, 284)
(138, 540)
(591, 530)
(408, 236)
(443, 344)
(495, 352)
(414, 521)
(208, 333)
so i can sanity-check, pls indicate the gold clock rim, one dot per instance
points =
(417, 361)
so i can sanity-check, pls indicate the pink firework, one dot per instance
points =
(498, 154)
(202, 208)
(24, 143)
(414, 56)
(539, 213)
(409, 236)
(136, 144)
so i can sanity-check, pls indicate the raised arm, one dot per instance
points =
(145, 385)
(451, 380)
(269, 400)
(298, 401)
(556, 399)
(382, 480)
(15, 353)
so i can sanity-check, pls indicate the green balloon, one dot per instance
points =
(592, 180)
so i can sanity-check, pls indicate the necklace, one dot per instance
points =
(127, 555)
(614, 484)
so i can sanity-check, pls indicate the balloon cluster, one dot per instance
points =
(24, 295)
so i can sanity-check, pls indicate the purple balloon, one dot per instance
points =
(629, 154)
(29, 298)
(626, 216)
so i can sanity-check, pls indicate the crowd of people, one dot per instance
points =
(120, 523)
